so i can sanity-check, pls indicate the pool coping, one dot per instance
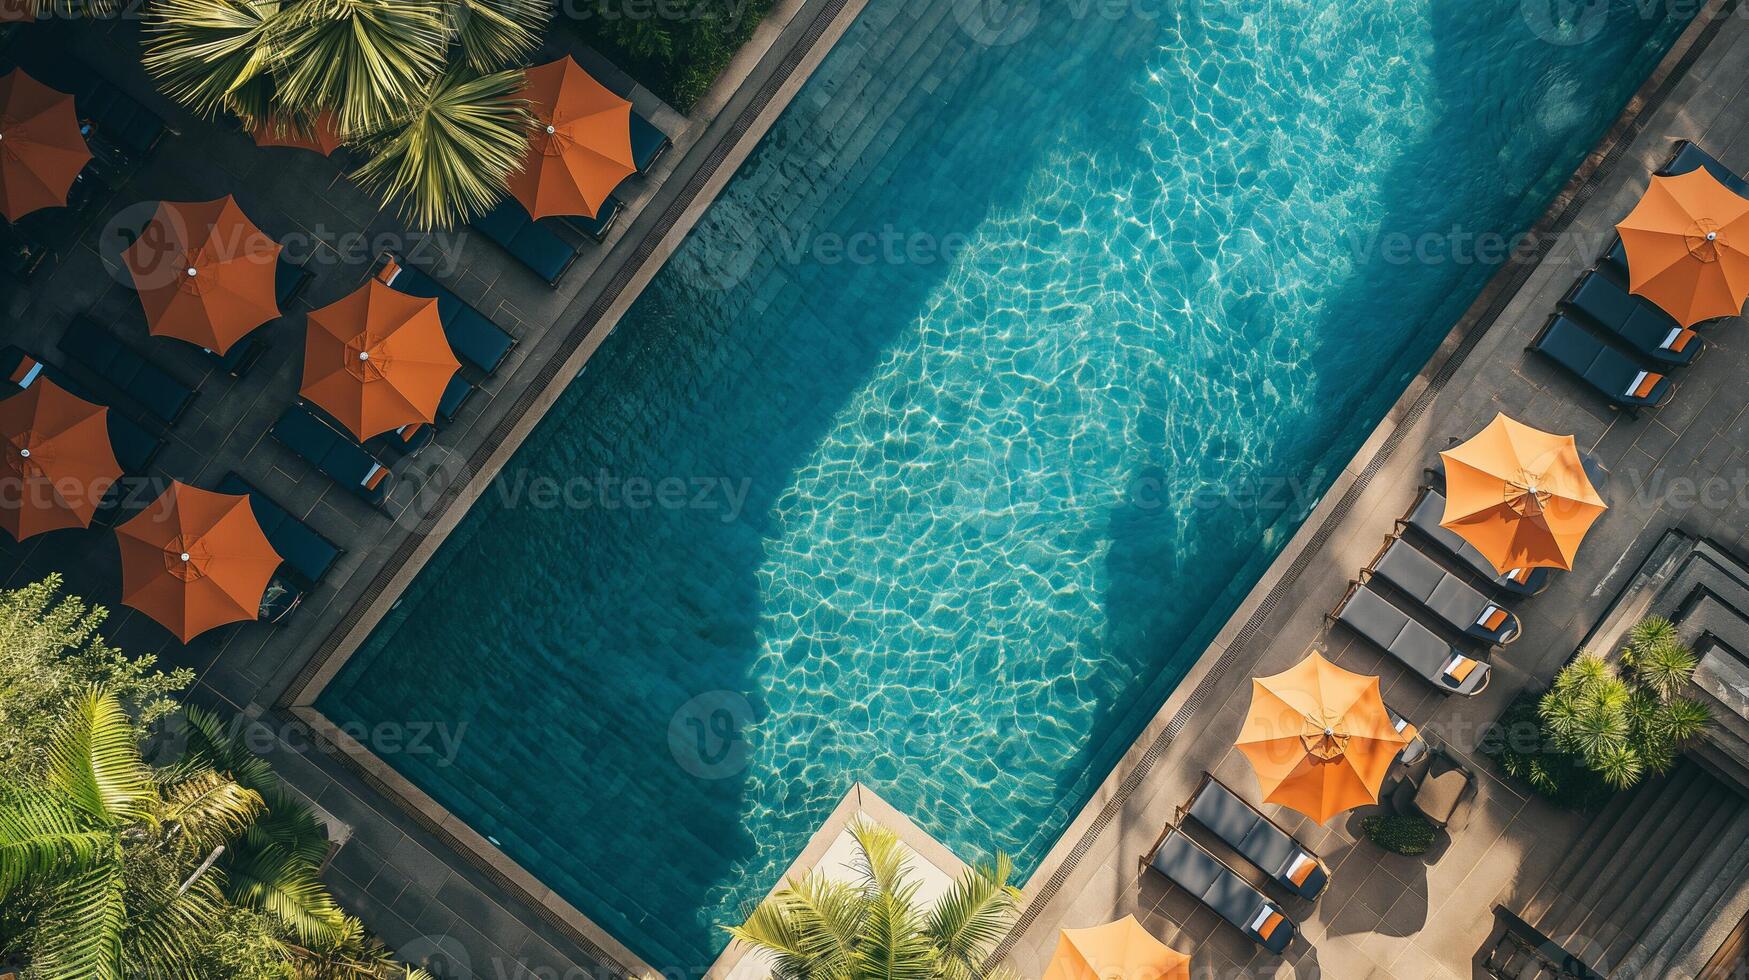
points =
(1228, 650)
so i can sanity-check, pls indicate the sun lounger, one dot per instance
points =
(1638, 322)
(307, 554)
(1443, 594)
(648, 143)
(289, 281)
(1256, 838)
(334, 453)
(1186, 864)
(535, 244)
(1416, 749)
(407, 440)
(118, 117)
(1405, 638)
(476, 341)
(1424, 517)
(136, 447)
(597, 227)
(105, 355)
(455, 395)
(1611, 373)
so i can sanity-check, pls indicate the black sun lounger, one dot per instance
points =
(1639, 323)
(537, 245)
(136, 447)
(105, 355)
(307, 554)
(476, 341)
(1186, 864)
(1256, 838)
(1611, 373)
(334, 453)
(648, 143)
(597, 227)
(1445, 595)
(1425, 515)
(1416, 647)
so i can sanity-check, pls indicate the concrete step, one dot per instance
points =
(1554, 900)
(1711, 876)
(1693, 848)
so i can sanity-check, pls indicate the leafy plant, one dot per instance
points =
(1400, 833)
(214, 55)
(497, 34)
(450, 158)
(874, 929)
(1625, 722)
(366, 61)
(1521, 746)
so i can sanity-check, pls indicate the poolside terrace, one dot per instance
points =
(1435, 916)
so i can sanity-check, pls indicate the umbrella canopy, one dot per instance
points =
(1120, 950)
(1688, 247)
(377, 360)
(195, 560)
(322, 134)
(1520, 495)
(582, 145)
(41, 147)
(1319, 737)
(57, 462)
(204, 272)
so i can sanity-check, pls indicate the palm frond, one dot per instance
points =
(80, 937)
(208, 810)
(968, 921)
(212, 743)
(495, 34)
(95, 761)
(164, 934)
(367, 61)
(893, 944)
(451, 158)
(213, 55)
(44, 838)
(286, 886)
(881, 857)
(1664, 667)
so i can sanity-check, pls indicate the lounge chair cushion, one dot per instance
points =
(306, 551)
(1186, 864)
(1605, 369)
(1640, 323)
(648, 143)
(1411, 643)
(1442, 593)
(119, 364)
(533, 244)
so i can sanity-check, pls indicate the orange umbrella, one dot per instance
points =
(1120, 950)
(1688, 247)
(377, 360)
(1319, 737)
(582, 146)
(204, 272)
(1520, 495)
(57, 463)
(41, 148)
(195, 560)
(321, 134)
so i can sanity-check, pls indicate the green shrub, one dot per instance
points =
(1520, 746)
(1400, 833)
(676, 56)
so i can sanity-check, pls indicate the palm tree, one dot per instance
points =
(369, 62)
(90, 850)
(495, 34)
(1625, 723)
(214, 55)
(451, 157)
(873, 929)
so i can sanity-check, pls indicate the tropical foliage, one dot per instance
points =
(874, 928)
(1627, 719)
(1401, 833)
(679, 55)
(1522, 747)
(428, 87)
(116, 864)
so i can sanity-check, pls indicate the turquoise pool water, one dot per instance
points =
(959, 425)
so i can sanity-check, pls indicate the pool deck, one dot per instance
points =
(1383, 915)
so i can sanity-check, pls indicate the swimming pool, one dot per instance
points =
(964, 419)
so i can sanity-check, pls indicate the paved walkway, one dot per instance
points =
(1427, 918)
